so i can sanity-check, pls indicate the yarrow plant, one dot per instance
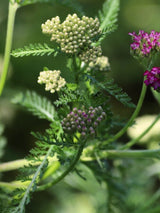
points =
(81, 140)
(145, 43)
(75, 35)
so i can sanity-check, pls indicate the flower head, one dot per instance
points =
(83, 121)
(75, 35)
(144, 44)
(52, 80)
(153, 78)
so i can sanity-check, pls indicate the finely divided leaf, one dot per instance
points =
(113, 89)
(38, 105)
(34, 50)
(33, 184)
(108, 15)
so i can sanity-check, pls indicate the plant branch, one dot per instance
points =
(10, 27)
(13, 165)
(66, 172)
(134, 115)
(125, 154)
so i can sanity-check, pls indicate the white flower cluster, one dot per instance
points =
(75, 35)
(52, 80)
(51, 26)
(101, 64)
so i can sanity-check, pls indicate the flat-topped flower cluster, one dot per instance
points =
(52, 80)
(75, 35)
(83, 121)
(145, 43)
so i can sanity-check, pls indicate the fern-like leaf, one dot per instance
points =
(108, 15)
(33, 184)
(67, 96)
(113, 89)
(34, 50)
(36, 104)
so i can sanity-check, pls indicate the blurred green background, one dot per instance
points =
(133, 15)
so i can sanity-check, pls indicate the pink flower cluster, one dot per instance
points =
(144, 43)
(153, 77)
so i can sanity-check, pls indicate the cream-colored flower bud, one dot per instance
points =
(52, 80)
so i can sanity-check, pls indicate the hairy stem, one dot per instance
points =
(134, 115)
(132, 142)
(10, 27)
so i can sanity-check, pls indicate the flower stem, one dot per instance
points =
(134, 115)
(10, 27)
(125, 154)
(132, 142)
(13, 165)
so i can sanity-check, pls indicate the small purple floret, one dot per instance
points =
(144, 42)
(153, 78)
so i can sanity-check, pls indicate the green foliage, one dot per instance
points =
(68, 3)
(36, 104)
(33, 184)
(34, 50)
(67, 96)
(114, 90)
(109, 13)
(108, 17)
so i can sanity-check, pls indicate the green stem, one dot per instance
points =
(67, 171)
(13, 165)
(134, 115)
(9, 186)
(132, 142)
(125, 154)
(10, 27)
